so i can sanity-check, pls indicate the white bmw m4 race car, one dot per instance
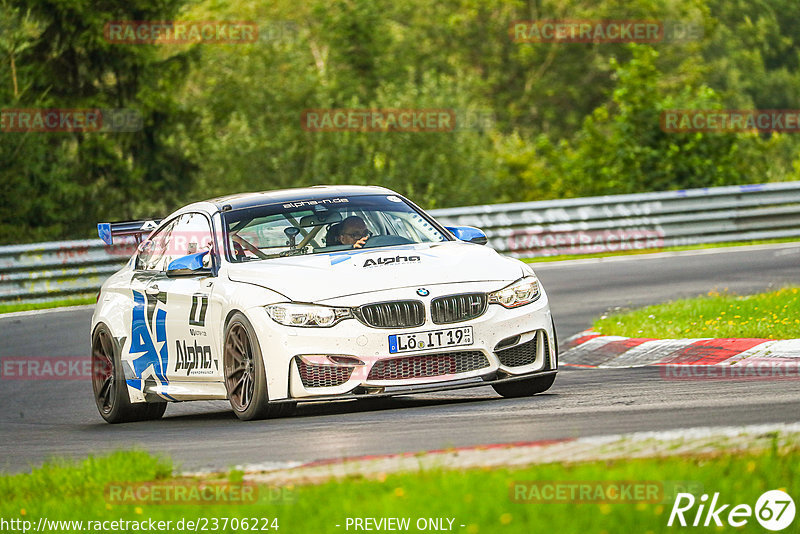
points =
(323, 293)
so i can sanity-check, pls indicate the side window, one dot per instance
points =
(151, 252)
(191, 234)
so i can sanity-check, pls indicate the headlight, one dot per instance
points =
(523, 291)
(290, 314)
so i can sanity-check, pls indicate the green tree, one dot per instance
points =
(622, 148)
(59, 185)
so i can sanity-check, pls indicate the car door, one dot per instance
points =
(144, 355)
(194, 355)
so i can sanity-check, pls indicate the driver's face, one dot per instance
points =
(351, 233)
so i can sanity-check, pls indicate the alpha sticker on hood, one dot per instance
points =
(390, 260)
(355, 257)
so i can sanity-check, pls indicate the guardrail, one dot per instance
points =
(55, 270)
(43, 272)
(640, 221)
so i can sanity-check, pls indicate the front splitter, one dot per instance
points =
(416, 390)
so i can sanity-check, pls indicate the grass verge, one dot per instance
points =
(637, 252)
(479, 499)
(28, 306)
(772, 315)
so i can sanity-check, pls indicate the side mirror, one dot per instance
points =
(469, 234)
(188, 265)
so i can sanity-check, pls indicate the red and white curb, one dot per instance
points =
(702, 440)
(590, 349)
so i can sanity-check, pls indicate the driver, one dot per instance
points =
(353, 232)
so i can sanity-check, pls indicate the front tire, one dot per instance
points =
(110, 389)
(245, 378)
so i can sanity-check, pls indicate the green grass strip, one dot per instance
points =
(772, 315)
(480, 499)
(28, 306)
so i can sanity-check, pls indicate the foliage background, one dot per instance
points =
(568, 119)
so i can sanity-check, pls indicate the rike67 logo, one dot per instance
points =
(774, 510)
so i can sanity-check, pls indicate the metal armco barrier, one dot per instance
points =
(56, 270)
(641, 221)
(49, 271)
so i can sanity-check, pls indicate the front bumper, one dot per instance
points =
(508, 344)
(416, 390)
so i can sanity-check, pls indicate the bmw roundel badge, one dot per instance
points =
(422, 292)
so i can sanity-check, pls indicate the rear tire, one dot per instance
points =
(245, 378)
(526, 387)
(109, 386)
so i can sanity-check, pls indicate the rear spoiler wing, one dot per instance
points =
(108, 231)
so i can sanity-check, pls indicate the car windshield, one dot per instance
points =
(324, 225)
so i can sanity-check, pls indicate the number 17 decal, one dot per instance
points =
(197, 317)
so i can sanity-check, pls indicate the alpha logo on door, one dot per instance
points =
(195, 359)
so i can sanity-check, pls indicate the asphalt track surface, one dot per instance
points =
(41, 418)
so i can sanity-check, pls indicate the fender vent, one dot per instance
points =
(519, 355)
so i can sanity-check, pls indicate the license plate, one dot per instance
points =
(434, 339)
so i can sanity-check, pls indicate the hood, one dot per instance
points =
(314, 278)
